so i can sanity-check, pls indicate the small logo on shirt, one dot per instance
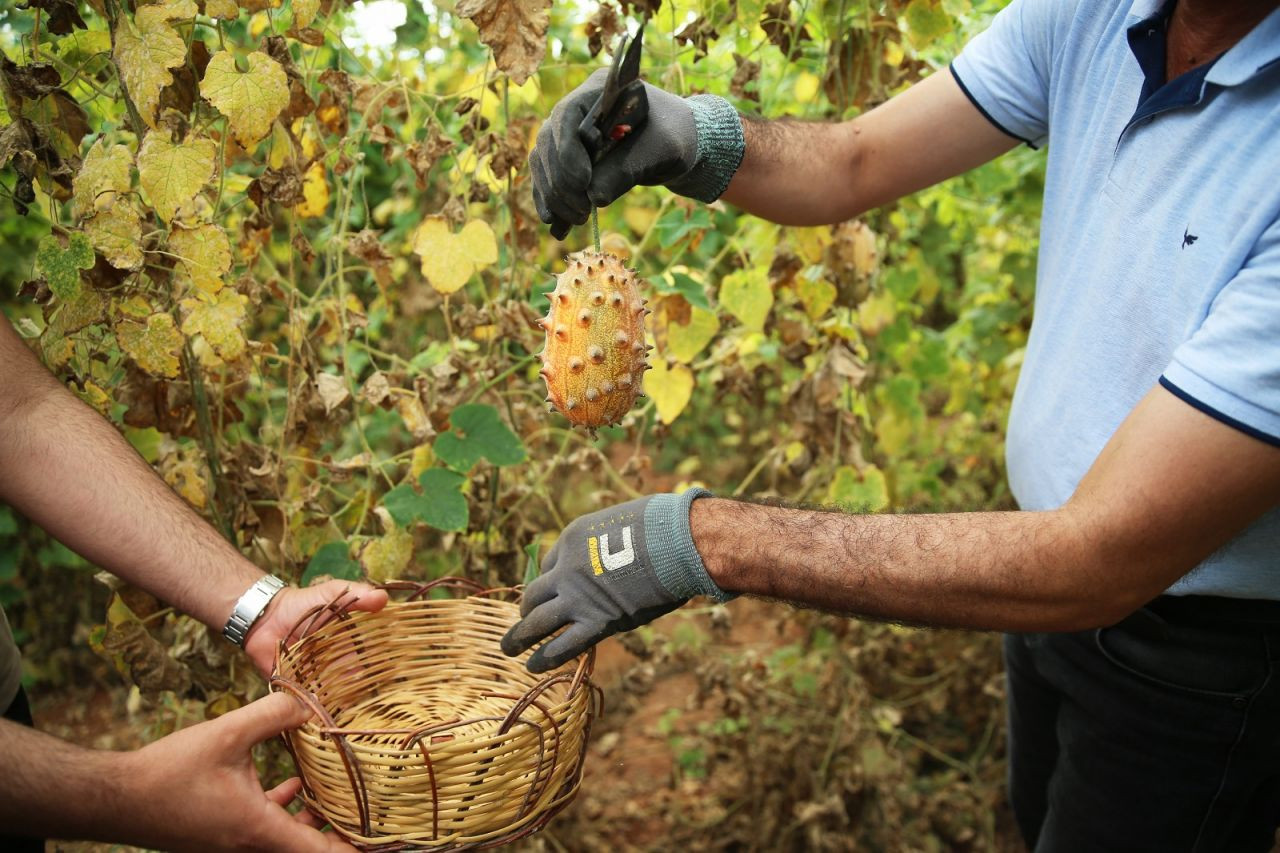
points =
(1187, 237)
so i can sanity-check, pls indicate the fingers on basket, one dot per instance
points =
(284, 793)
(290, 832)
(543, 621)
(539, 591)
(579, 637)
(266, 718)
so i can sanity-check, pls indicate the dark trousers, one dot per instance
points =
(19, 711)
(1161, 733)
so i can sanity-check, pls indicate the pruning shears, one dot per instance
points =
(622, 107)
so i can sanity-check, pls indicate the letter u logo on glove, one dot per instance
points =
(602, 559)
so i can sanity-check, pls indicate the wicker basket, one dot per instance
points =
(424, 733)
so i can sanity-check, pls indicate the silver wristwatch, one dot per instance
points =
(250, 607)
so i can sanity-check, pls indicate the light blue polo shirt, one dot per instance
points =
(1159, 244)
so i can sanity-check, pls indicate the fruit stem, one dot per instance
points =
(595, 227)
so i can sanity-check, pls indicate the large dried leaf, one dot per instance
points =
(172, 173)
(218, 320)
(251, 99)
(154, 345)
(516, 30)
(449, 260)
(204, 252)
(105, 172)
(147, 48)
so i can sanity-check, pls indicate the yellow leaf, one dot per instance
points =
(97, 398)
(172, 173)
(315, 193)
(685, 342)
(146, 48)
(810, 243)
(746, 295)
(385, 558)
(228, 10)
(250, 100)
(184, 470)
(304, 12)
(154, 346)
(423, 458)
(117, 233)
(218, 320)
(105, 172)
(449, 260)
(205, 253)
(876, 312)
(670, 389)
(281, 150)
(806, 87)
(816, 294)
(415, 417)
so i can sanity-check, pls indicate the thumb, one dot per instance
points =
(265, 718)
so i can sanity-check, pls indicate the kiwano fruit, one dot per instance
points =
(594, 358)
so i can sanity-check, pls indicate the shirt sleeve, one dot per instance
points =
(1230, 366)
(1005, 69)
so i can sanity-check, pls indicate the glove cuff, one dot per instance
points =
(675, 559)
(720, 149)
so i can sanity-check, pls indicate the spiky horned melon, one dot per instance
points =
(594, 358)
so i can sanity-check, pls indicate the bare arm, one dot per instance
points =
(71, 472)
(1170, 487)
(68, 470)
(802, 173)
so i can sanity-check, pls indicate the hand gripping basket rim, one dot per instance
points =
(577, 707)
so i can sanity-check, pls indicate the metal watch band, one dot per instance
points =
(250, 607)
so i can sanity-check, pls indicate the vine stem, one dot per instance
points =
(595, 227)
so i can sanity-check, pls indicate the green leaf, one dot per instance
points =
(746, 295)
(693, 292)
(441, 503)
(61, 267)
(478, 432)
(677, 223)
(8, 524)
(334, 560)
(531, 570)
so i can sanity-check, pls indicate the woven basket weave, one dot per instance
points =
(424, 733)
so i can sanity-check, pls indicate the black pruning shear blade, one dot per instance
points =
(622, 107)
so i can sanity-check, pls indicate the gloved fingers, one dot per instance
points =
(579, 637)
(539, 623)
(567, 162)
(539, 591)
(615, 174)
(554, 208)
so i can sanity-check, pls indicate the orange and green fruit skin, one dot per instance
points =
(594, 358)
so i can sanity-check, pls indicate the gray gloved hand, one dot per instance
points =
(610, 571)
(691, 145)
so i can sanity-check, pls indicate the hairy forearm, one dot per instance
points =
(1012, 571)
(813, 173)
(53, 789)
(67, 469)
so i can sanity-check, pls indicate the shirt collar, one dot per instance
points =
(1259, 49)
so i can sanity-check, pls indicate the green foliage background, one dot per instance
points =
(349, 419)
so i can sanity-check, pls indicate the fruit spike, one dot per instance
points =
(595, 353)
